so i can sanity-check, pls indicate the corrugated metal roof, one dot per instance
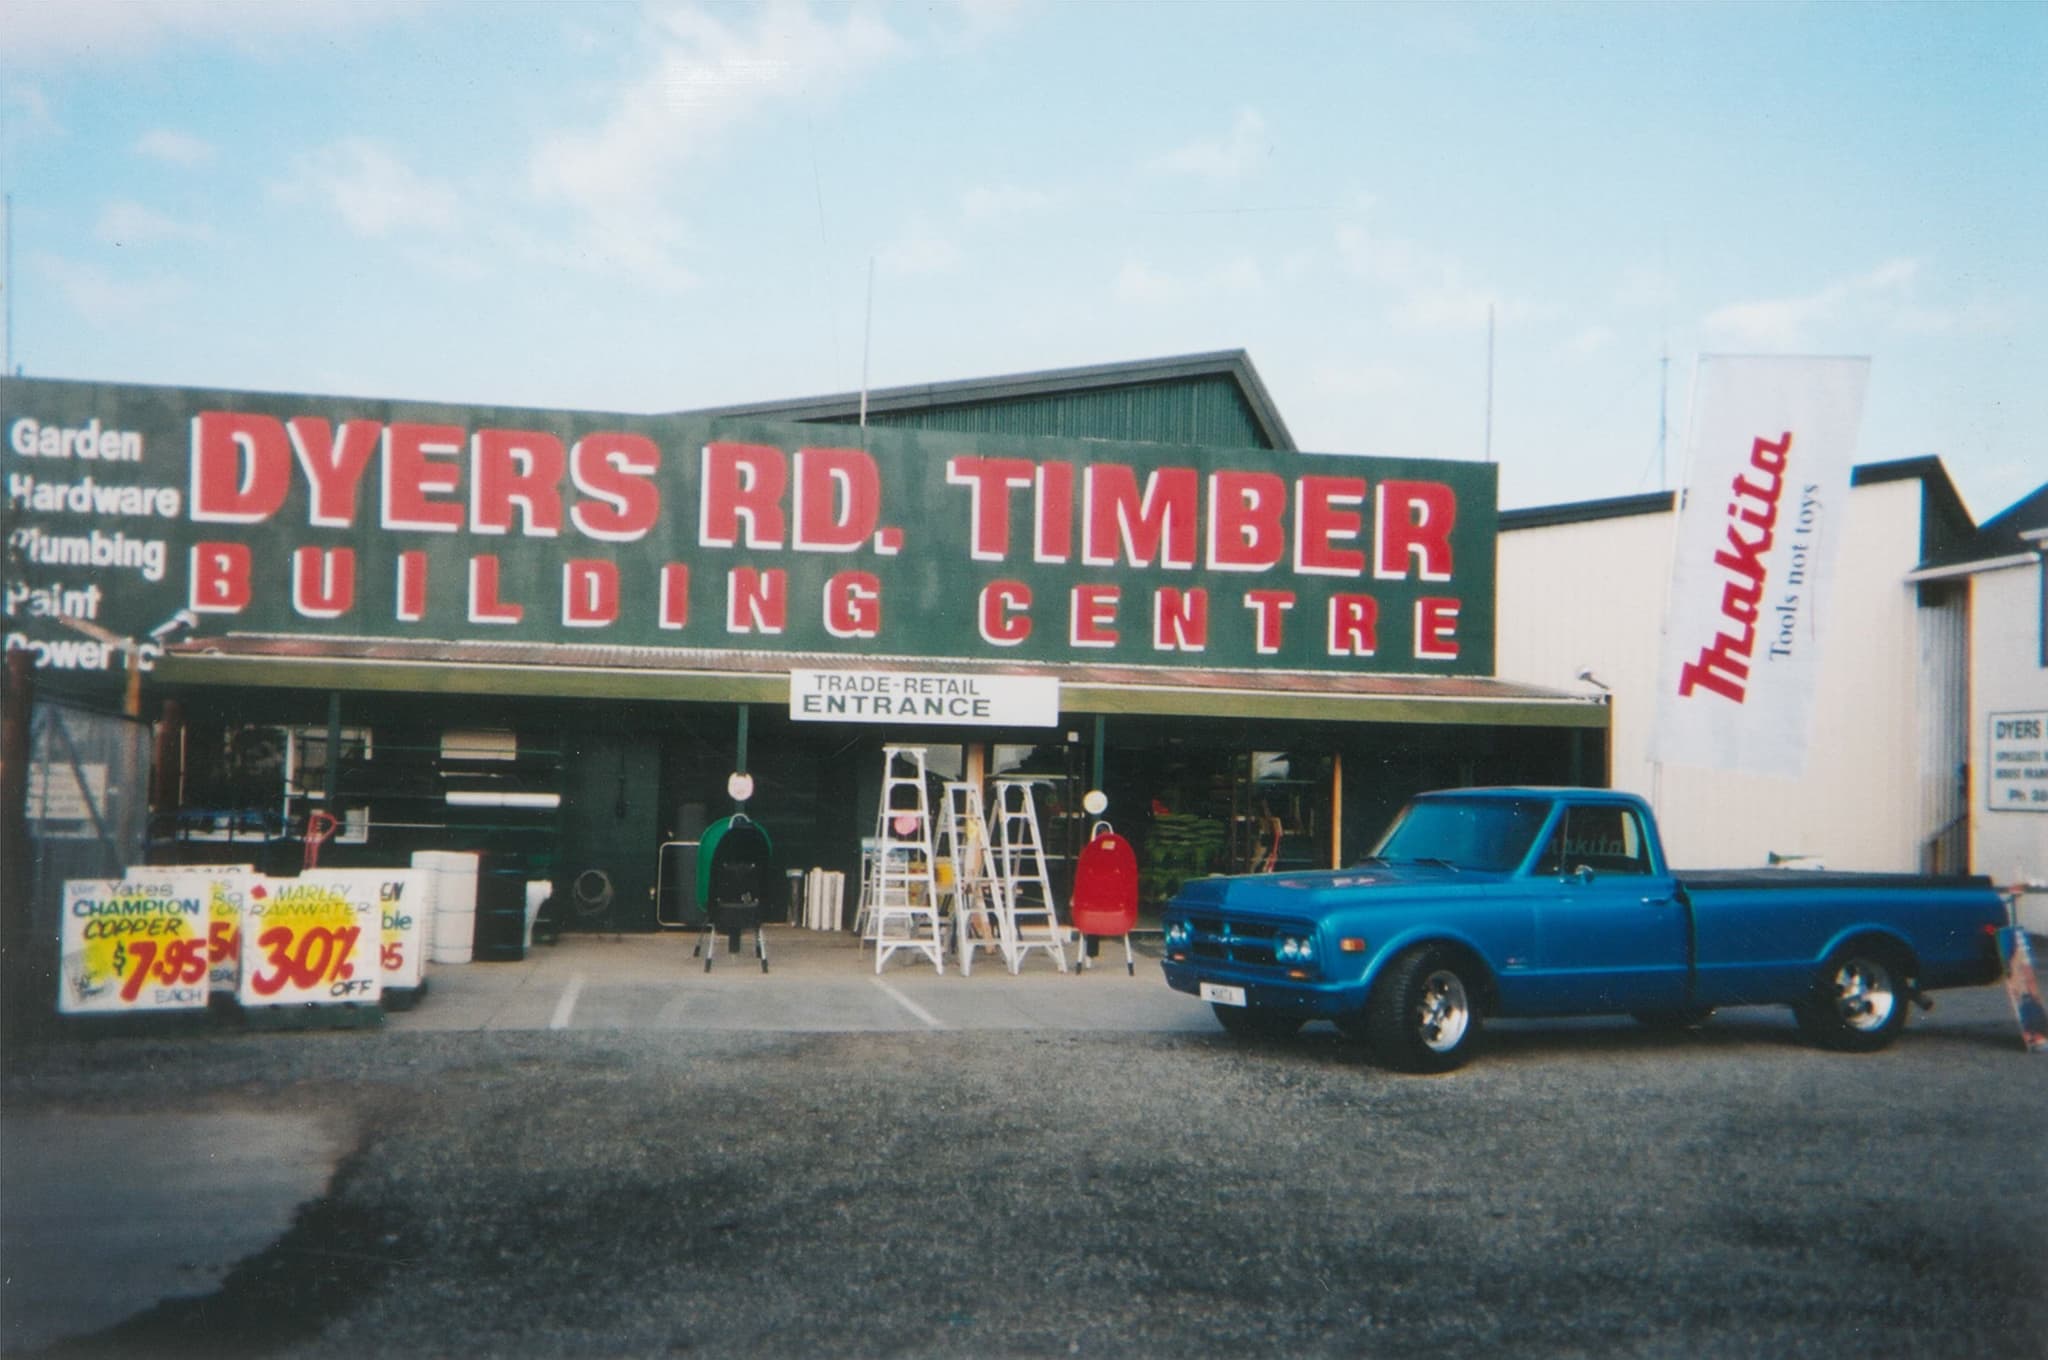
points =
(684, 675)
(1215, 398)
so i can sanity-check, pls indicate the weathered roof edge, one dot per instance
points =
(1235, 364)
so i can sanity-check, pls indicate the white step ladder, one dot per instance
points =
(979, 921)
(903, 906)
(1031, 921)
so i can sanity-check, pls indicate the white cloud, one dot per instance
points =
(25, 115)
(174, 148)
(45, 33)
(1001, 202)
(371, 190)
(1645, 285)
(1224, 159)
(1430, 291)
(1590, 340)
(126, 223)
(1140, 283)
(106, 300)
(1793, 322)
(623, 176)
(921, 250)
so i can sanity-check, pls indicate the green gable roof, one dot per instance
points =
(1207, 399)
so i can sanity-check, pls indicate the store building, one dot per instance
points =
(1935, 626)
(554, 635)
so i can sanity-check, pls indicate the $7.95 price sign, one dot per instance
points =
(308, 941)
(131, 945)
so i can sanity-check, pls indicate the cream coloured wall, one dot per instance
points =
(1592, 595)
(2006, 676)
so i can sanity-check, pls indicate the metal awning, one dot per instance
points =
(682, 675)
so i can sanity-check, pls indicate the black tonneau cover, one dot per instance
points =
(1712, 880)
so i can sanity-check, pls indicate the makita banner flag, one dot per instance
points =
(1772, 446)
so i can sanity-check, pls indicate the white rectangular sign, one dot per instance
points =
(2018, 774)
(924, 698)
(1773, 443)
(129, 945)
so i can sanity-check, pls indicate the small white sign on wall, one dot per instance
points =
(2016, 774)
(924, 698)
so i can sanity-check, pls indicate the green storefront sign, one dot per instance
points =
(165, 516)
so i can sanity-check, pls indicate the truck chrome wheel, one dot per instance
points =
(1444, 1012)
(1420, 1016)
(1859, 1002)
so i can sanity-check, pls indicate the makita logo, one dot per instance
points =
(1722, 666)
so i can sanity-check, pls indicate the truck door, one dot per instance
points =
(1611, 933)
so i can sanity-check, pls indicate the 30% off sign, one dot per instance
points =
(306, 941)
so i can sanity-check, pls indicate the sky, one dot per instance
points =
(631, 207)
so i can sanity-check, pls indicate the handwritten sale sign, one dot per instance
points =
(399, 898)
(131, 945)
(310, 940)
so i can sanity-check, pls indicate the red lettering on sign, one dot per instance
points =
(220, 578)
(1005, 613)
(838, 499)
(1354, 625)
(1180, 621)
(989, 482)
(742, 483)
(1436, 629)
(485, 604)
(590, 594)
(412, 587)
(1092, 622)
(241, 467)
(617, 472)
(521, 468)
(1161, 524)
(675, 595)
(334, 467)
(1053, 533)
(1268, 610)
(1323, 517)
(853, 605)
(1413, 523)
(414, 475)
(1722, 666)
(1247, 521)
(756, 601)
(323, 582)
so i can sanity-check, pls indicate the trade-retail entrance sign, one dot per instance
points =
(167, 516)
(924, 698)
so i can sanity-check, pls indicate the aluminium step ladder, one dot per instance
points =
(979, 921)
(1030, 919)
(903, 893)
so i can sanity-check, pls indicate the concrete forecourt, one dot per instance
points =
(605, 1150)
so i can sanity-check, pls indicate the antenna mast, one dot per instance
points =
(1489, 382)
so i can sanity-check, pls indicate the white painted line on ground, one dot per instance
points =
(566, 1007)
(907, 1004)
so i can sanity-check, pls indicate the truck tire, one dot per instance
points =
(1859, 1001)
(1249, 1022)
(1421, 1016)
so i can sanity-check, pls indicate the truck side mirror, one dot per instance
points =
(1581, 873)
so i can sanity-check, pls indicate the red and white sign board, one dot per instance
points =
(1773, 443)
(309, 940)
(224, 888)
(131, 945)
(402, 906)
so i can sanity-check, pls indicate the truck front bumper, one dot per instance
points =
(1311, 998)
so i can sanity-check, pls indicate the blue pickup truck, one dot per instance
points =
(1544, 902)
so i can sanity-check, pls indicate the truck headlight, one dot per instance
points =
(1296, 949)
(1178, 933)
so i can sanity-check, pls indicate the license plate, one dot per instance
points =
(1221, 995)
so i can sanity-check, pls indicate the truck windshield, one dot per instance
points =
(1488, 834)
